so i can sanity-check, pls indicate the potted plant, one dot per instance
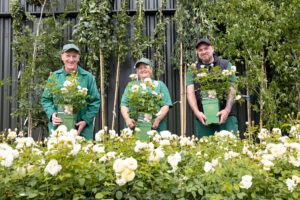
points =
(214, 86)
(143, 102)
(69, 98)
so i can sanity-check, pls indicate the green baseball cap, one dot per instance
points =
(67, 47)
(143, 60)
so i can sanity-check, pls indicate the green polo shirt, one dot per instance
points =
(166, 100)
(87, 114)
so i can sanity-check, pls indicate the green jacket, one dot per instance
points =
(87, 114)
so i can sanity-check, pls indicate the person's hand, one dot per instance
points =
(130, 122)
(223, 114)
(55, 120)
(156, 122)
(81, 126)
(202, 118)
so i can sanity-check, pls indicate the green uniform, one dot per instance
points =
(166, 99)
(87, 114)
(231, 123)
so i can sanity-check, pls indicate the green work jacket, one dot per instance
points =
(87, 114)
(166, 99)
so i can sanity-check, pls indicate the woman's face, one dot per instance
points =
(144, 71)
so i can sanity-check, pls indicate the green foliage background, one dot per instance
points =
(249, 33)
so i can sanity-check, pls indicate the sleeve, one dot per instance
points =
(189, 77)
(231, 78)
(124, 99)
(94, 103)
(47, 101)
(166, 95)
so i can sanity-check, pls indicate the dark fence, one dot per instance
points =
(171, 76)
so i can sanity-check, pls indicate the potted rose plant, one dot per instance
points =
(69, 98)
(214, 86)
(143, 102)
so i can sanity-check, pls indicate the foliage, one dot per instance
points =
(262, 35)
(93, 31)
(139, 42)
(34, 73)
(192, 23)
(159, 41)
(70, 93)
(168, 167)
(142, 97)
(214, 81)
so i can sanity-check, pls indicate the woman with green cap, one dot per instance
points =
(144, 70)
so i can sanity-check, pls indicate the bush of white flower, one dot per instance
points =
(115, 166)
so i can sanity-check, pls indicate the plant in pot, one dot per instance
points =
(143, 103)
(68, 98)
(213, 86)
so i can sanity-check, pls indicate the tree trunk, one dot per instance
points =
(181, 90)
(184, 101)
(262, 91)
(116, 93)
(31, 86)
(248, 101)
(102, 88)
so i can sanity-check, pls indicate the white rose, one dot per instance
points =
(119, 165)
(290, 184)
(267, 164)
(121, 182)
(165, 134)
(152, 132)
(135, 88)
(68, 83)
(11, 135)
(225, 72)
(98, 148)
(133, 77)
(143, 86)
(99, 136)
(208, 166)
(148, 81)
(246, 182)
(64, 90)
(238, 97)
(155, 84)
(295, 161)
(164, 143)
(131, 163)
(203, 74)
(53, 167)
(276, 131)
(233, 69)
(128, 174)
(296, 179)
(76, 149)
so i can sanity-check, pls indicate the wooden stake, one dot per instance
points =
(102, 88)
(116, 92)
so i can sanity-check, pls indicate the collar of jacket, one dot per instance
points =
(79, 70)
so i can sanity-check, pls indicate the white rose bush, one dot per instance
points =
(118, 166)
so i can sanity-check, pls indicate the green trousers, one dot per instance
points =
(231, 124)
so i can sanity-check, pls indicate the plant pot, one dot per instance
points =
(144, 123)
(144, 128)
(210, 108)
(65, 112)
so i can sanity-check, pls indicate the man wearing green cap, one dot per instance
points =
(227, 114)
(144, 70)
(70, 57)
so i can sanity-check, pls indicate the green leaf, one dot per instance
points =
(119, 195)
(81, 181)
